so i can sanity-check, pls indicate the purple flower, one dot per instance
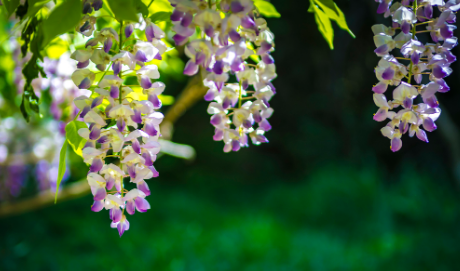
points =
(418, 58)
(129, 30)
(135, 148)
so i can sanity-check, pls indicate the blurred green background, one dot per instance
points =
(325, 194)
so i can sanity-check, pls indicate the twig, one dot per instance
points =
(193, 92)
(46, 198)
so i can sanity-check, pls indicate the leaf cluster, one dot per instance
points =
(40, 27)
(325, 11)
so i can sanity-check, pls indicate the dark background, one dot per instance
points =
(325, 194)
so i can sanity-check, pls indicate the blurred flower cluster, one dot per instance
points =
(61, 88)
(33, 153)
(230, 36)
(28, 154)
(123, 129)
(423, 65)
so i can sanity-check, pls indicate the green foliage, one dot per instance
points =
(266, 9)
(29, 98)
(28, 33)
(334, 13)
(61, 170)
(141, 8)
(10, 6)
(31, 70)
(34, 6)
(72, 136)
(73, 139)
(23, 108)
(32, 37)
(63, 18)
(161, 16)
(324, 26)
(325, 11)
(124, 10)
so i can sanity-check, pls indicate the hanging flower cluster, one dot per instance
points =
(227, 45)
(61, 88)
(123, 132)
(424, 66)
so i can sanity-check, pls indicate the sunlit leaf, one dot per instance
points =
(62, 19)
(334, 13)
(324, 25)
(266, 9)
(75, 140)
(61, 170)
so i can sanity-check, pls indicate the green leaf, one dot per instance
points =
(35, 6)
(35, 44)
(27, 33)
(334, 13)
(141, 8)
(266, 9)
(75, 140)
(32, 69)
(63, 18)
(123, 10)
(61, 169)
(10, 6)
(29, 97)
(327, 3)
(106, 8)
(161, 16)
(23, 109)
(324, 25)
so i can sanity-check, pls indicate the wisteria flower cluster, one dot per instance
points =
(223, 48)
(61, 88)
(123, 132)
(424, 66)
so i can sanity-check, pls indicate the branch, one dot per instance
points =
(193, 92)
(45, 198)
